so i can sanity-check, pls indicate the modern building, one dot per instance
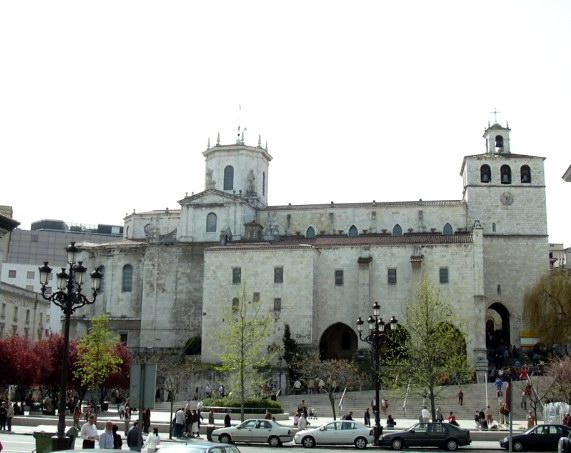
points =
(318, 267)
(46, 241)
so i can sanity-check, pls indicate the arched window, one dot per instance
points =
(310, 233)
(525, 174)
(397, 230)
(229, 178)
(127, 232)
(499, 141)
(353, 232)
(448, 230)
(127, 280)
(485, 173)
(506, 173)
(493, 227)
(235, 304)
(211, 223)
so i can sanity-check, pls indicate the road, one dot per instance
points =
(18, 443)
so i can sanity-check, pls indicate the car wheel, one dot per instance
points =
(274, 441)
(517, 446)
(360, 442)
(225, 439)
(396, 444)
(308, 442)
(451, 445)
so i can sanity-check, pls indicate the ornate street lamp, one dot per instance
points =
(69, 298)
(375, 337)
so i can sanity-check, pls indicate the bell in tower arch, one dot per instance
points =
(499, 143)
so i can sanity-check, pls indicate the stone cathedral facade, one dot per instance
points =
(319, 267)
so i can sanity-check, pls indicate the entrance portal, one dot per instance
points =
(339, 341)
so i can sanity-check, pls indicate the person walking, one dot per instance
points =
(461, 397)
(424, 415)
(439, 416)
(3, 415)
(227, 420)
(302, 423)
(89, 433)
(367, 418)
(117, 440)
(134, 437)
(211, 417)
(530, 419)
(106, 439)
(126, 418)
(452, 419)
(10, 412)
(179, 422)
(153, 441)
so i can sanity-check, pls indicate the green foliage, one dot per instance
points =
(432, 351)
(274, 406)
(97, 354)
(291, 351)
(244, 353)
(547, 307)
(193, 346)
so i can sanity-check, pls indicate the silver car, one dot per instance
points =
(254, 431)
(343, 432)
(198, 447)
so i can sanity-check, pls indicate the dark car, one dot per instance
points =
(540, 437)
(441, 435)
(564, 445)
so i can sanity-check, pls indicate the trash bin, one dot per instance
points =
(43, 441)
(209, 429)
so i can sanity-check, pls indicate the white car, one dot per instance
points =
(254, 431)
(343, 432)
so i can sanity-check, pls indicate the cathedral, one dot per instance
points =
(318, 267)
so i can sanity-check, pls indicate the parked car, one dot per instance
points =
(564, 445)
(197, 446)
(254, 431)
(441, 435)
(344, 432)
(540, 437)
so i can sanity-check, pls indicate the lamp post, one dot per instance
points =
(69, 298)
(374, 338)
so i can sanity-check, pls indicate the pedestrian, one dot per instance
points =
(384, 405)
(367, 419)
(302, 423)
(179, 419)
(117, 440)
(424, 415)
(488, 413)
(268, 415)
(297, 386)
(211, 417)
(439, 416)
(153, 441)
(530, 419)
(452, 419)
(10, 412)
(349, 416)
(106, 439)
(523, 403)
(566, 420)
(134, 437)
(503, 413)
(76, 416)
(146, 420)
(391, 422)
(3, 415)
(227, 420)
(126, 418)
(194, 424)
(89, 433)
(461, 397)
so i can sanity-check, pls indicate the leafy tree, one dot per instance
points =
(121, 378)
(547, 307)
(97, 354)
(291, 351)
(244, 353)
(19, 363)
(433, 350)
(336, 374)
(558, 370)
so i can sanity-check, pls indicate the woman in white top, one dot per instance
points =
(153, 441)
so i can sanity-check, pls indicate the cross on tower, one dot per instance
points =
(495, 112)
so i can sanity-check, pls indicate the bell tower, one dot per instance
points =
(497, 139)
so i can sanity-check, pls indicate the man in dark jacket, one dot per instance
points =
(134, 437)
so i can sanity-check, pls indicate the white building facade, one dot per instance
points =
(319, 267)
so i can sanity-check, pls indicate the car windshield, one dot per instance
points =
(419, 427)
(186, 449)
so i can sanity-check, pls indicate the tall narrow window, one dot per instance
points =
(15, 314)
(397, 230)
(235, 304)
(277, 304)
(443, 275)
(211, 223)
(392, 276)
(263, 183)
(101, 285)
(525, 174)
(127, 280)
(338, 278)
(310, 233)
(448, 230)
(278, 274)
(236, 275)
(228, 178)
(353, 232)
(256, 297)
(27, 316)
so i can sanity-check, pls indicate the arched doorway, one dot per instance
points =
(497, 331)
(339, 341)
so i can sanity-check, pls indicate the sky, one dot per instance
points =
(107, 106)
